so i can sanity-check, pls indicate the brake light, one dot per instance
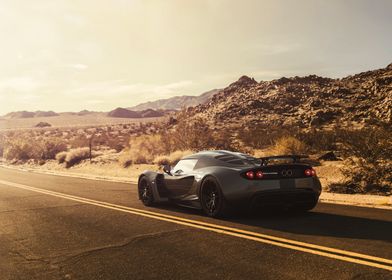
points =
(259, 174)
(310, 172)
(250, 175)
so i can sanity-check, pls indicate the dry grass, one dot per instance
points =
(147, 149)
(290, 145)
(22, 149)
(142, 150)
(75, 156)
(172, 158)
(60, 157)
(370, 161)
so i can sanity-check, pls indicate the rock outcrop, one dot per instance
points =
(305, 102)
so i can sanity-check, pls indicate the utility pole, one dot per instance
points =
(90, 145)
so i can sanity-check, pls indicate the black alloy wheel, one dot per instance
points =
(212, 200)
(145, 192)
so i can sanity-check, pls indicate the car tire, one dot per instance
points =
(212, 200)
(145, 192)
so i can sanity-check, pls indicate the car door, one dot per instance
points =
(182, 178)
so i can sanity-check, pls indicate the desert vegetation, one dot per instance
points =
(366, 151)
(370, 161)
(38, 145)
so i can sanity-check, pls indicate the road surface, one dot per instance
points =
(54, 227)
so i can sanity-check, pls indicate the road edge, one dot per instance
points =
(360, 200)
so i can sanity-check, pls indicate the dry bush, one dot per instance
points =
(24, 147)
(370, 167)
(74, 156)
(226, 139)
(290, 145)
(2, 143)
(320, 140)
(80, 141)
(142, 149)
(49, 148)
(263, 136)
(60, 157)
(18, 149)
(195, 135)
(172, 158)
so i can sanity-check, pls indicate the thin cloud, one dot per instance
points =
(77, 66)
(20, 84)
(108, 88)
(274, 49)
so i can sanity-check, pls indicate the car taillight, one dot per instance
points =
(310, 172)
(259, 174)
(250, 175)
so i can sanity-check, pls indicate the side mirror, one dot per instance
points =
(167, 169)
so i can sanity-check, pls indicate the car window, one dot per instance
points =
(184, 166)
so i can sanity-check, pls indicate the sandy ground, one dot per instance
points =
(69, 121)
(329, 172)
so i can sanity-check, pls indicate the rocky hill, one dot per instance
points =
(176, 102)
(303, 102)
(125, 113)
(27, 114)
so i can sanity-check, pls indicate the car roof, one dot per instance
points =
(218, 154)
(226, 158)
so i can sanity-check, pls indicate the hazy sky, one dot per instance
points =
(66, 55)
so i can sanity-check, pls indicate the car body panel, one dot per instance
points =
(184, 189)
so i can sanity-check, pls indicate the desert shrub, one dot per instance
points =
(75, 156)
(80, 141)
(142, 149)
(195, 135)
(263, 136)
(320, 140)
(226, 139)
(22, 147)
(370, 161)
(289, 145)
(114, 144)
(49, 148)
(2, 143)
(125, 159)
(18, 149)
(172, 158)
(60, 157)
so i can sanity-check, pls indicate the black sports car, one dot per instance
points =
(220, 181)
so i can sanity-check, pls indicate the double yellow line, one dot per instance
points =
(328, 252)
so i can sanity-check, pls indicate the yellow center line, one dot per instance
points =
(333, 253)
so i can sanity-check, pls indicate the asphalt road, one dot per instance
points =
(54, 227)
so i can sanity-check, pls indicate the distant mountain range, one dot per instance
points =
(126, 113)
(27, 114)
(176, 102)
(151, 109)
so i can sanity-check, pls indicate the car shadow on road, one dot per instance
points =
(314, 223)
(321, 224)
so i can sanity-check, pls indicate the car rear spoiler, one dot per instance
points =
(295, 158)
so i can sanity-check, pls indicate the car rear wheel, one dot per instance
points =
(145, 192)
(212, 199)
